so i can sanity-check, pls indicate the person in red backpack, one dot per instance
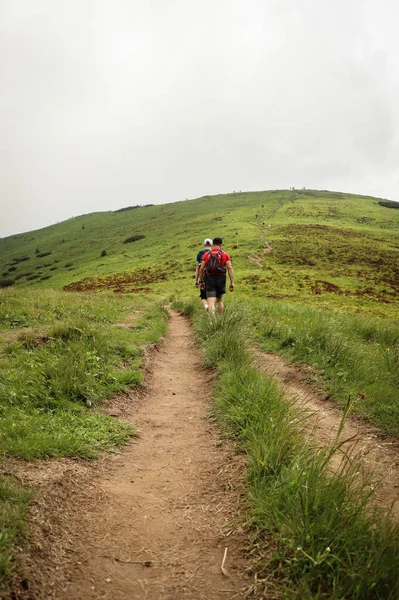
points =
(207, 248)
(213, 270)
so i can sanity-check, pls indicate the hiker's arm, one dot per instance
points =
(197, 270)
(201, 272)
(231, 274)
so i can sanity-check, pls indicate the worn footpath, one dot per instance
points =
(165, 523)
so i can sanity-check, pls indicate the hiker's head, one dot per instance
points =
(217, 241)
(208, 242)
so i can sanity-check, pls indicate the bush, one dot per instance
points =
(127, 208)
(68, 265)
(6, 282)
(20, 259)
(389, 203)
(134, 238)
(12, 269)
(103, 253)
(41, 254)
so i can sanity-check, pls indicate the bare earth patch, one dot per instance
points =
(153, 522)
(378, 454)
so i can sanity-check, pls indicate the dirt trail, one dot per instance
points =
(378, 454)
(153, 522)
(163, 524)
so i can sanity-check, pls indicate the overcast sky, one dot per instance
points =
(111, 103)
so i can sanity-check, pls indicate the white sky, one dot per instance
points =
(111, 103)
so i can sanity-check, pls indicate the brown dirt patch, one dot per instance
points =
(151, 522)
(119, 282)
(377, 454)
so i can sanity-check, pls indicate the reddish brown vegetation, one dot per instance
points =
(119, 282)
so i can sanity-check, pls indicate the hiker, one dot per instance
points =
(207, 248)
(212, 275)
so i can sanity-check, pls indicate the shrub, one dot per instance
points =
(53, 268)
(41, 254)
(12, 269)
(127, 208)
(134, 238)
(45, 277)
(6, 282)
(31, 277)
(103, 253)
(389, 203)
(20, 259)
(68, 265)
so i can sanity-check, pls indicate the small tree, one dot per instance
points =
(103, 253)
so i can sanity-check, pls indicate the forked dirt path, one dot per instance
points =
(377, 454)
(165, 520)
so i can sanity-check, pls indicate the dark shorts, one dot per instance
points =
(215, 286)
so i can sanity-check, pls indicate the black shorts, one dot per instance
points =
(215, 286)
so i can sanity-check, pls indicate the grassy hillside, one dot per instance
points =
(317, 281)
(326, 248)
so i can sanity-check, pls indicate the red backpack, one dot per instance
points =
(214, 264)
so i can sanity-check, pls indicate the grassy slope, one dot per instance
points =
(329, 251)
(328, 248)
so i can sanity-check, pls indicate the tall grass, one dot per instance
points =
(353, 356)
(13, 505)
(69, 359)
(317, 535)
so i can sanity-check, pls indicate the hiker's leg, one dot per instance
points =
(204, 300)
(211, 304)
(210, 293)
(220, 290)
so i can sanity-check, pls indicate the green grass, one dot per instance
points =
(352, 356)
(317, 282)
(327, 248)
(13, 506)
(61, 355)
(316, 535)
